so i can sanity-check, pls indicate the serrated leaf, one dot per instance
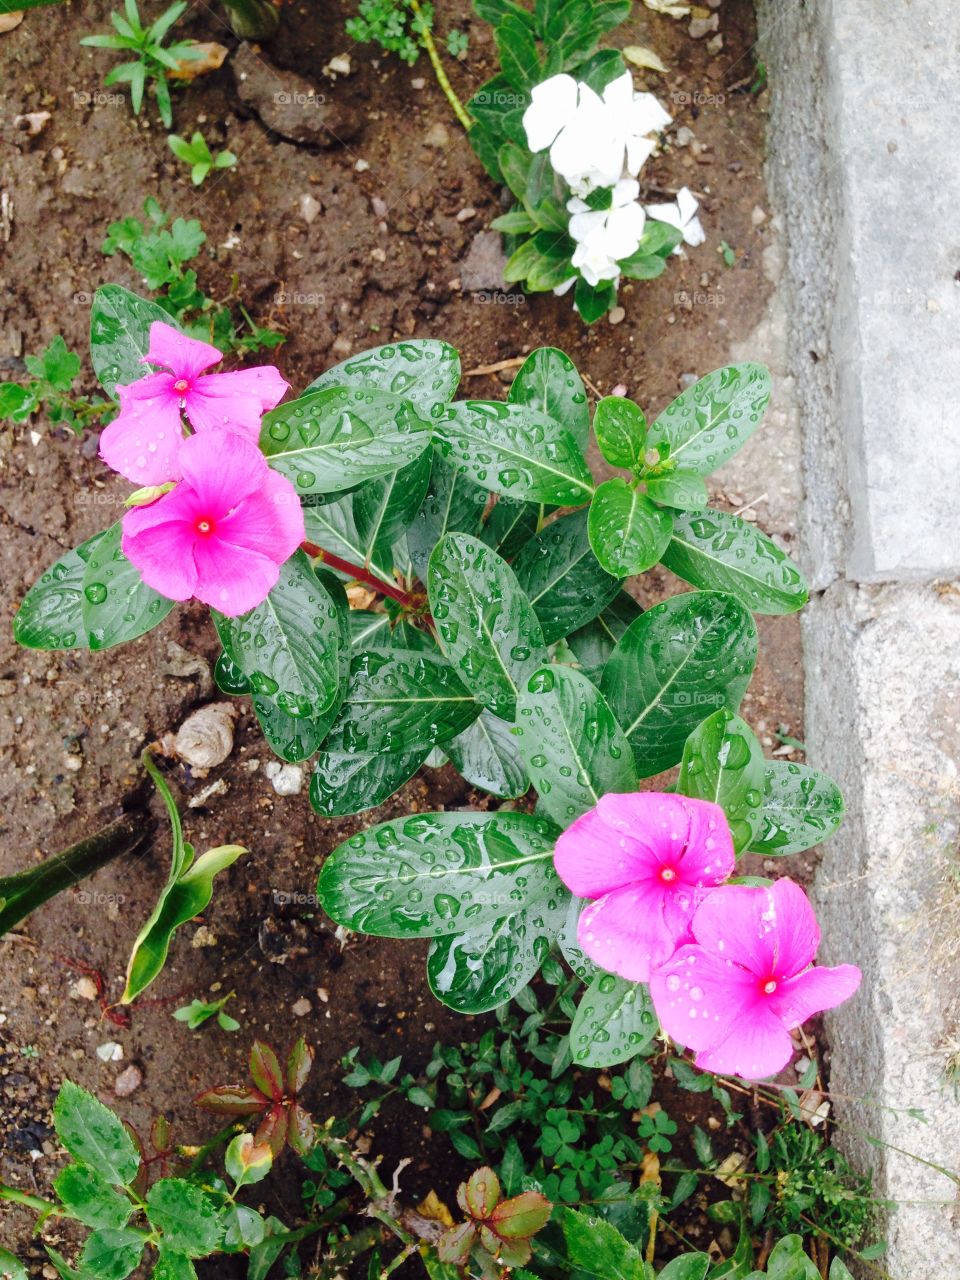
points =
(487, 754)
(562, 577)
(424, 371)
(332, 439)
(723, 763)
(621, 429)
(120, 335)
(91, 1198)
(720, 552)
(571, 743)
(51, 613)
(111, 1255)
(93, 1135)
(615, 1019)
(595, 1248)
(185, 1215)
(486, 626)
(711, 420)
(116, 604)
(435, 874)
(628, 533)
(173, 1266)
(677, 663)
(515, 451)
(549, 382)
(801, 807)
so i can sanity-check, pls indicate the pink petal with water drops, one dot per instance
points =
(269, 521)
(625, 932)
(143, 441)
(757, 1047)
(158, 540)
(222, 468)
(808, 993)
(233, 579)
(699, 997)
(184, 357)
(771, 931)
(235, 400)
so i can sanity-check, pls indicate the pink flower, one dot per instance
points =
(647, 859)
(222, 533)
(143, 441)
(737, 991)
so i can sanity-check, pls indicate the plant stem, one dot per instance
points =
(36, 1203)
(218, 1140)
(360, 574)
(24, 892)
(433, 53)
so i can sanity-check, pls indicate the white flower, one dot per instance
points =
(681, 213)
(593, 138)
(606, 236)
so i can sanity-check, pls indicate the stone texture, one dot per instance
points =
(290, 105)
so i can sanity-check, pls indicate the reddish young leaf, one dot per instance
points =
(142, 1180)
(233, 1100)
(160, 1134)
(265, 1070)
(273, 1129)
(521, 1217)
(478, 1196)
(298, 1066)
(509, 1253)
(301, 1132)
(455, 1245)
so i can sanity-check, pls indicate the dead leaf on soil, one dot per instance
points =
(641, 56)
(730, 1170)
(432, 1207)
(10, 20)
(214, 56)
(360, 597)
(668, 7)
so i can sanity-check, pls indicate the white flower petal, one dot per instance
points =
(583, 225)
(553, 105)
(624, 231)
(619, 92)
(567, 285)
(625, 192)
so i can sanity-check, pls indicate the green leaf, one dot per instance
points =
(487, 754)
(800, 808)
(486, 626)
(621, 430)
(788, 1261)
(400, 701)
(173, 1266)
(438, 873)
(721, 552)
(510, 526)
(711, 420)
(627, 532)
(595, 1248)
(16, 402)
(117, 605)
(571, 743)
(453, 504)
(51, 614)
(516, 222)
(331, 526)
(683, 490)
(343, 784)
(185, 896)
(120, 335)
(383, 508)
(186, 1216)
(289, 646)
(549, 382)
(562, 577)
(723, 762)
(424, 371)
(56, 365)
(594, 303)
(111, 1255)
(292, 738)
(691, 1266)
(91, 1198)
(61, 1266)
(681, 660)
(515, 451)
(593, 644)
(643, 266)
(11, 1268)
(615, 1019)
(518, 52)
(332, 439)
(93, 1135)
(569, 945)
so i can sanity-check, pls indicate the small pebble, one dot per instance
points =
(301, 1008)
(378, 206)
(466, 214)
(309, 207)
(417, 82)
(758, 216)
(128, 1081)
(437, 136)
(85, 989)
(700, 27)
(714, 45)
(286, 779)
(110, 1052)
(617, 315)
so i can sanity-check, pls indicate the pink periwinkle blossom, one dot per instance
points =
(734, 994)
(648, 858)
(221, 534)
(143, 441)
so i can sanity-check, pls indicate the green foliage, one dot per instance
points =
(49, 391)
(198, 1012)
(197, 154)
(397, 26)
(152, 62)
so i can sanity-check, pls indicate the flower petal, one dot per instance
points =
(553, 104)
(819, 988)
(159, 540)
(757, 1047)
(184, 357)
(223, 468)
(593, 858)
(236, 400)
(269, 521)
(625, 932)
(233, 579)
(700, 998)
(144, 441)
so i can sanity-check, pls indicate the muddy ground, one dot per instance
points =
(384, 256)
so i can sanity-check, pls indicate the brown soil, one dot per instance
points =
(353, 278)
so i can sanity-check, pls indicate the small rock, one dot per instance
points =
(85, 989)
(437, 136)
(700, 27)
(205, 738)
(617, 315)
(204, 937)
(714, 45)
(758, 215)
(308, 207)
(418, 82)
(301, 1007)
(32, 123)
(286, 779)
(73, 764)
(466, 214)
(483, 266)
(110, 1051)
(340, 65)
(128, 1081)
(686, 380)
(685, 136)
(378, 206)
(362, 166)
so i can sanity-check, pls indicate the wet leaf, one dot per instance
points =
(549, 382)
(89, 1196)
(801, 807)
(120, 335)
(111, 1255)
(711, 420)
(488, 755)
(343, 784)
(723, 762)
(593, 644)
(562, 577)
(51, 614)
(424, 371)
(615, 1019)
(453, 504)
(117, 605)
(621, 430)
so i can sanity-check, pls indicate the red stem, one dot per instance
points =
(359, 574)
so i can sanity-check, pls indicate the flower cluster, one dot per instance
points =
(728, 965)
(598, 143)
(216, 522)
